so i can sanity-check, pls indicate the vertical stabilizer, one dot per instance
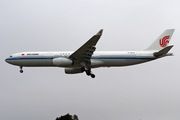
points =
(162, 41)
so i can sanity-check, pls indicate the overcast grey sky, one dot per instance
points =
(149, 91)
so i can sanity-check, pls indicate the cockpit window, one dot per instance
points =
(10, 56)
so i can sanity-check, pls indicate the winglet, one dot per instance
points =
(100, 32)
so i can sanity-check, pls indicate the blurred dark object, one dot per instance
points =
(68, 117)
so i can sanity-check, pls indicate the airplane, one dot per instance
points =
(85, 58)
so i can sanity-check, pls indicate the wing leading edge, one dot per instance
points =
(85, 52)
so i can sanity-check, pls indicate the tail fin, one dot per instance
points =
(162, 41)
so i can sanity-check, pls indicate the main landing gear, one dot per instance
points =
(21, 71)
(88, 72)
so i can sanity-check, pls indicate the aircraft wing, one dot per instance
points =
(85, 51)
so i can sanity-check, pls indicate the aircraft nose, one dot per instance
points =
(7, 60)
(11, 60)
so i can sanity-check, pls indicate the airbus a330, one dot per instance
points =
(85, 58)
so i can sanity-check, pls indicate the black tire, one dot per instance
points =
(21, 71)
(92, 75)
(88, 72)
(83, 69)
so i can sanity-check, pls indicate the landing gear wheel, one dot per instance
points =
(88, 72)
(83, 69)
(21, 71)
(92, 75)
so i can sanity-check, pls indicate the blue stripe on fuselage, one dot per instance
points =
(121, 57)
(93, 57)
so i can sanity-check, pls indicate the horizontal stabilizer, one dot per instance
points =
(163, 51)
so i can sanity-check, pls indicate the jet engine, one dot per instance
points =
(72, 70)
(62, 62)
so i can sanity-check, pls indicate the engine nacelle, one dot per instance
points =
(62, 62)
(72, 70)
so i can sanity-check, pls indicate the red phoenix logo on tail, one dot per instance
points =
(163, 42)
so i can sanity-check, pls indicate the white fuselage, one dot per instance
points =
(98, 59)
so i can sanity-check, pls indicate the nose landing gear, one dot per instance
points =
(21, 71)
